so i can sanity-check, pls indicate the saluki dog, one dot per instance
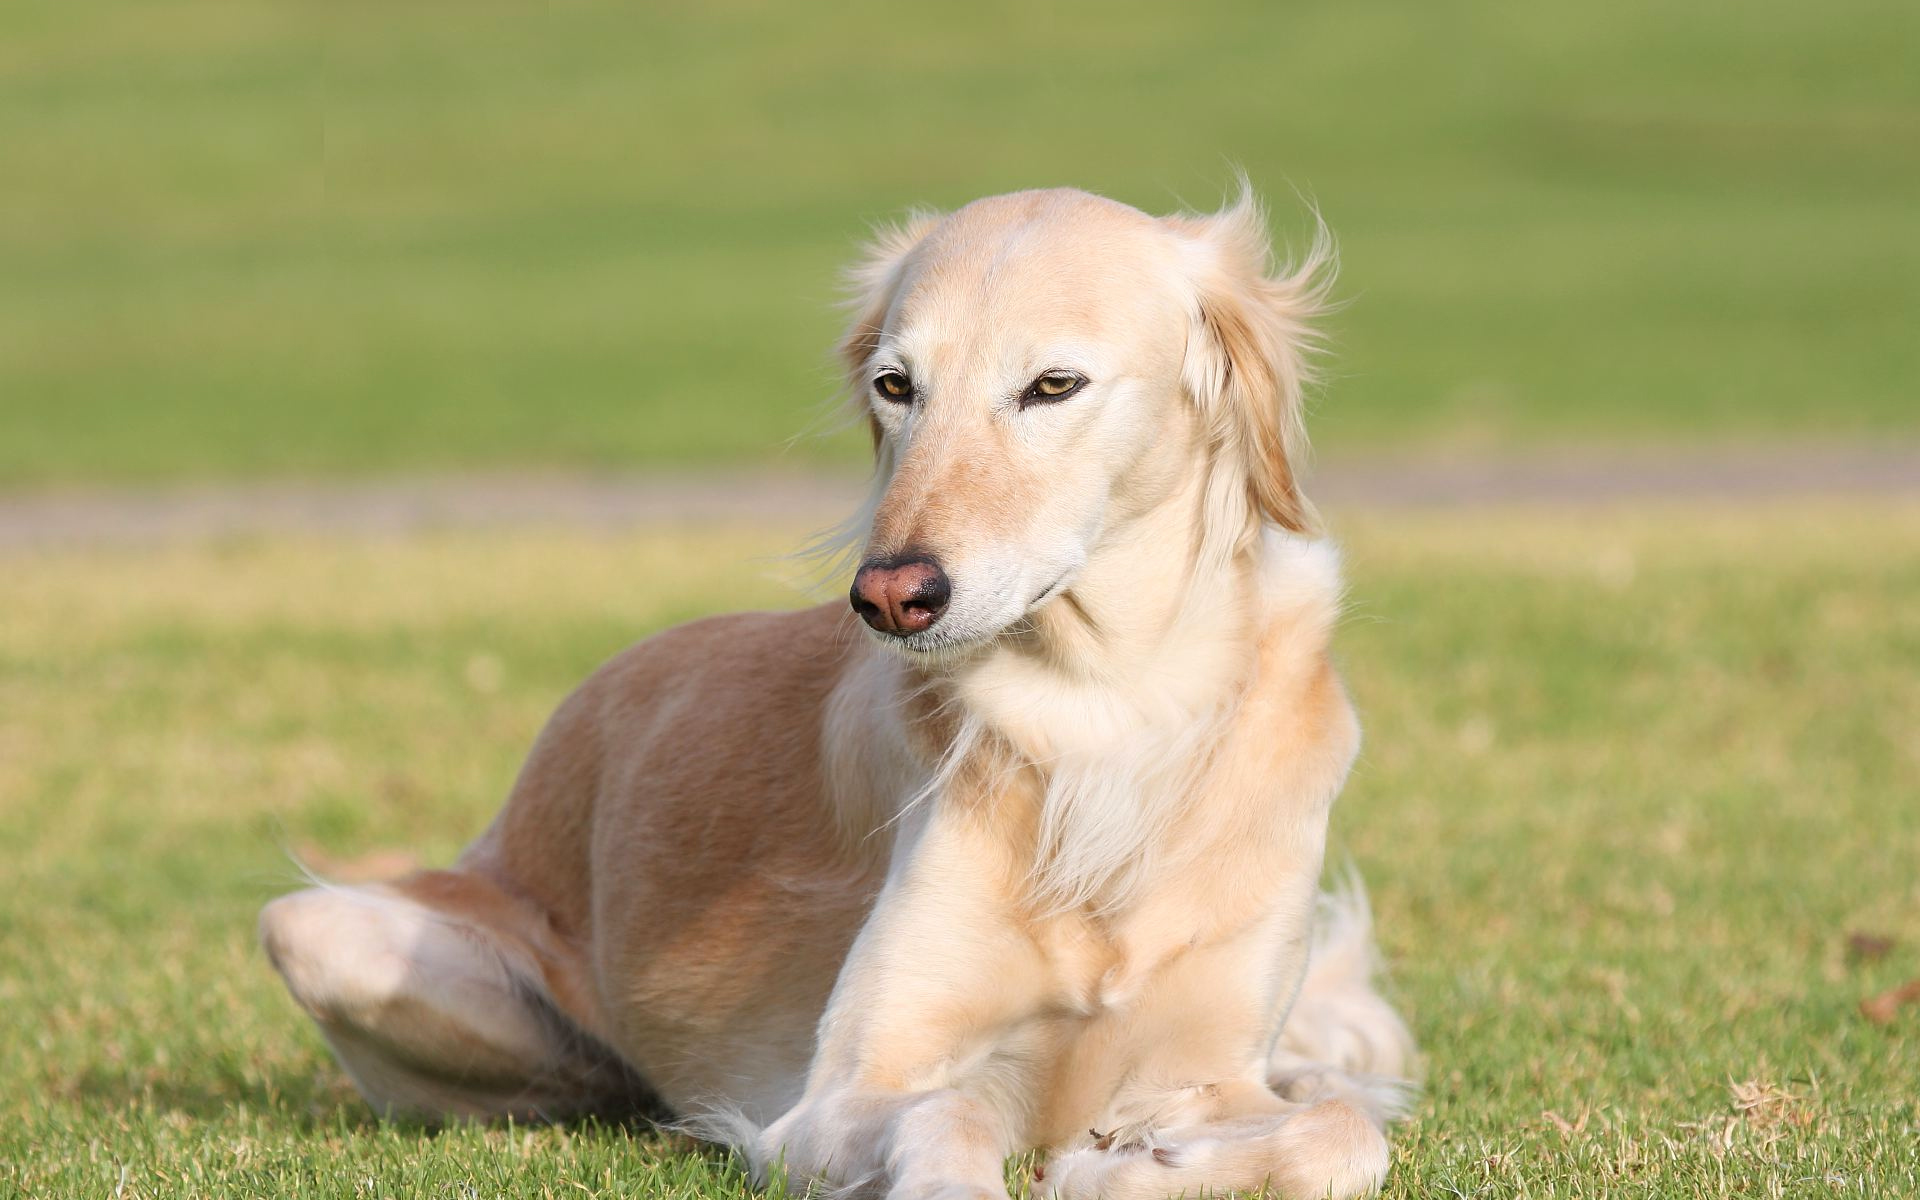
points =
(1018, 851)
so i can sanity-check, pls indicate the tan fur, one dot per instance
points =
(889, 910)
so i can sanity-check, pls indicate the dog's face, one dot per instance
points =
(1039, 369)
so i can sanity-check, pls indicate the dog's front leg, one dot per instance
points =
(916, 1084)
(1193, 1114)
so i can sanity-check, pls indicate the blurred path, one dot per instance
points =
(81, 517)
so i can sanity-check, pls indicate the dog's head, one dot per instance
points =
(1042, 369)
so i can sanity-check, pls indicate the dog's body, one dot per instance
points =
(1036, 857)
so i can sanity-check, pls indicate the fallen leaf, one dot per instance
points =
(1868, 947)
(1882, 1009)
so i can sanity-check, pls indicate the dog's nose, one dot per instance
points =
(901, 595)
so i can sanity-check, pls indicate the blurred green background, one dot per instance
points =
(244, 240)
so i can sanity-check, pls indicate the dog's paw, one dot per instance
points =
(1329, 1150)
(1084, 1174)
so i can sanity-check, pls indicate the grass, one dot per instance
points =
(1633, 778)
(254, 240)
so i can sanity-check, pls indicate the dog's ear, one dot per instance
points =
(1247, 365)
(872, 283)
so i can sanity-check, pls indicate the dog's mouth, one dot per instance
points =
(1053, 589)
(940, 642)
(949, 637)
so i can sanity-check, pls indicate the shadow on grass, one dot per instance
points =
(309, 1101)
(303, 1099)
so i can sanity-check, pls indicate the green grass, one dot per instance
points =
(1631, 781)
(241, 240)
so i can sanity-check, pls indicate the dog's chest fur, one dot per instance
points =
(1138, 816)
(1122, 766)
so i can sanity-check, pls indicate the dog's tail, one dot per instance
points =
(1342, 1039)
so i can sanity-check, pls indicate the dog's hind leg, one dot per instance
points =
(1342, 1039)
(443, 997)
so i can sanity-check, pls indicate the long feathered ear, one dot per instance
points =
(1247, 365)
(872, 282)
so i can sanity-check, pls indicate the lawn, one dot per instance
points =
(1633, 779)
(249, 240)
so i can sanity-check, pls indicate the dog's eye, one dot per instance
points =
(1054, 385)
(892, 385)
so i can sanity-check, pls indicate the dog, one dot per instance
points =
(1019, 849)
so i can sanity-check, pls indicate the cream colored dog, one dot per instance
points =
(1030, 859)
